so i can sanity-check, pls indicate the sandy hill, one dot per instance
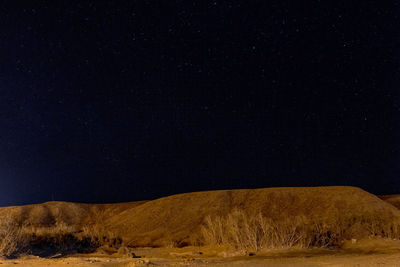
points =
(67, 213)
(392, 199)
(178, 218)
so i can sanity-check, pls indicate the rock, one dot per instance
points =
(145, 262)
(106, 250)
(57, 255)
(127, 251)
(123, 250)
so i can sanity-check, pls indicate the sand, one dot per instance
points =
(364, 253)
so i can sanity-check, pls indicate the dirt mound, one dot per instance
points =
(178, 218)
(392, 199)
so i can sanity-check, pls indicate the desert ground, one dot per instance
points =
(314, 226)
(377, 252)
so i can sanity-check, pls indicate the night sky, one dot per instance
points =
(110, 101)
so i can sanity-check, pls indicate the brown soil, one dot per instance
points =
(392, 199)
(369, 252)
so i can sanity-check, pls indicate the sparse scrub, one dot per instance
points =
(99, 235)
(61, 238)
(12, 240)
(244, 232)
(257, 232)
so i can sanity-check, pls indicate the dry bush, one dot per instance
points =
(12, 240)
(98, 234)
(50, 240)
(243, 232)
(66, 239)
(170, 241)
(382, 227)
(60, 238)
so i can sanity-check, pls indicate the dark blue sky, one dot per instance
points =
(108, 101)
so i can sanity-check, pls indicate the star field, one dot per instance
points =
(107, 101)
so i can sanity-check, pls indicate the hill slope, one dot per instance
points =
(178, 218)
(57, 212)
(392, 199)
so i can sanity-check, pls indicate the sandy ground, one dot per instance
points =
(371, 260)
(363, 253)
(390, 259)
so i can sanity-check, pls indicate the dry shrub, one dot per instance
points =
(171, 242)
(65, 239)
(60, 238)
(99, 235)
(243, 232)
(12, 240)
(50, 240)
